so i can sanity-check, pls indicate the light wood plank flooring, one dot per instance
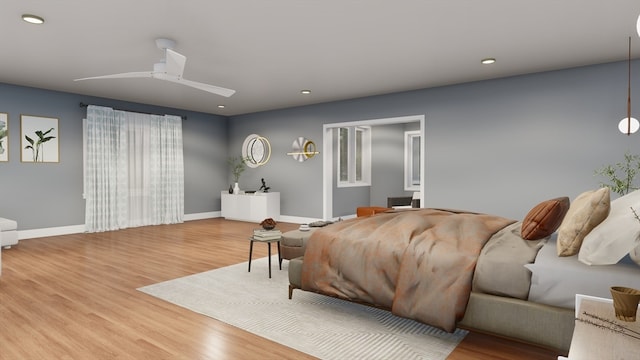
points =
(75, 297)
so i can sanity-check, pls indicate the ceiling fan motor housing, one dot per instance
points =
(165, 44)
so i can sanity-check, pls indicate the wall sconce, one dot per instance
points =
(629, 125)
(303, 149)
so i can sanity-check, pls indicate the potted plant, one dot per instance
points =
(621, 175)
(238, 166)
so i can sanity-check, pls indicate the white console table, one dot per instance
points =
(250, 207)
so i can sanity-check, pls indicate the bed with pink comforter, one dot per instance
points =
(418, 263)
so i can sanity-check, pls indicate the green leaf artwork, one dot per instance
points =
(36, 146)
(3, 135)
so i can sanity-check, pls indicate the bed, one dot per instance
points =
(451, 268)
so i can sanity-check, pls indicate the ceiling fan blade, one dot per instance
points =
(204, 87)
(139, 74)
(175, 63)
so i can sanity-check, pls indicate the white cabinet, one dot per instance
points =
(250, 207)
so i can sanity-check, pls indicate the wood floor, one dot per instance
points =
(75, 297)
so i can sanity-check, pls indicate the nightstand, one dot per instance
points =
(595, 342)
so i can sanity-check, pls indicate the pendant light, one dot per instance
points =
(629, 125)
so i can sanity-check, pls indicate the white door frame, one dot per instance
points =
(327, 159)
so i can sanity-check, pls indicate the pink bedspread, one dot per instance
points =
(418, 263)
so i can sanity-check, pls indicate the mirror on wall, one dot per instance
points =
(256, 150)
(412, 160)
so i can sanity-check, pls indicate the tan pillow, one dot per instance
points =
(587, 211)
(544, 218)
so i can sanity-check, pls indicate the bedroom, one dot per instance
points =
(497, 146)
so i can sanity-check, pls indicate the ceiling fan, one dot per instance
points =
(170, 68)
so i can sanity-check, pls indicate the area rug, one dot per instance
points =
(318, 325)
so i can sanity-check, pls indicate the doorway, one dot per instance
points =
(328, 158)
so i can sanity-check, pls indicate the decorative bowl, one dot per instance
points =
(268, 224)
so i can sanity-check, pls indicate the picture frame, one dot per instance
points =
(4, 137)
(39, 139)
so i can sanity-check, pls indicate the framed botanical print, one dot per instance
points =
(39, 139)
(4, 137)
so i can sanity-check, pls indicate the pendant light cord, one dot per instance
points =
(629, 93)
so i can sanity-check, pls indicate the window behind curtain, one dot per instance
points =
(133, 169)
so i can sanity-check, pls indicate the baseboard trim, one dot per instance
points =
(52, 231)
(77, 229)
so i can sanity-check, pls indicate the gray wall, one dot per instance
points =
(387, 164)
(497, 146)
(50, 195)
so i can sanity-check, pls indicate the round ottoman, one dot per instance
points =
(294, 243)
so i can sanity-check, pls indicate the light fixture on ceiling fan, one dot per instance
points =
(629, 125)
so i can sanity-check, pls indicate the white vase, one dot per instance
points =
(236, 188)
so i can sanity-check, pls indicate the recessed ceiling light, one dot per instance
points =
(220, 106)
(488, 61)
(305, 92)
(32, 19)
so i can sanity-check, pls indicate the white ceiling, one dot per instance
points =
(269, 50)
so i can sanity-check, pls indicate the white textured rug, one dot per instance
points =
(318, 325)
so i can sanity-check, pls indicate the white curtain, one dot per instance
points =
(134, 171)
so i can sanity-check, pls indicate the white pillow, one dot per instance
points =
(556, 280)
(616, 236)
(634, 254)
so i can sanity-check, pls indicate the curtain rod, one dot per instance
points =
(82, 105)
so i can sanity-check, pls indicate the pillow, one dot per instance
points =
(544, 219)
(634, 254)
(556, 280)
(500, 268)
(616, 236)
(586, 211)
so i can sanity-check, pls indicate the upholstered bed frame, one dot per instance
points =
(524, 281)
(543, 325)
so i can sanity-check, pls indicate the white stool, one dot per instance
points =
(9, 229)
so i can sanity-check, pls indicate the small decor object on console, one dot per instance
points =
(264, 187)
(238, 165)
(268, 224)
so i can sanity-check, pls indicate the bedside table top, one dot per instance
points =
(593, 337)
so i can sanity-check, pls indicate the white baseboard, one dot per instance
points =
(296, 219)
(201, 216)
(76, 229)
(53, 231)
